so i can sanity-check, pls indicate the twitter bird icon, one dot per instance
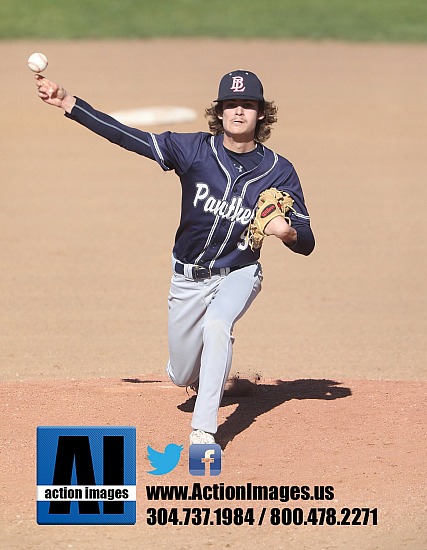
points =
(165, 462)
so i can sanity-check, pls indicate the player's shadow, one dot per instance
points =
(255, 399)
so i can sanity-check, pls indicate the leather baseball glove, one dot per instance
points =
(271, 203)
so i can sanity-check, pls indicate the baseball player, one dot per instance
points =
(216, 273)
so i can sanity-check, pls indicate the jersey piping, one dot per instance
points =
(110, 125)
(227, 190)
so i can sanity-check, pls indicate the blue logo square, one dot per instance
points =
(205, 460)
(86, 475)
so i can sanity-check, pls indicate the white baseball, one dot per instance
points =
(37, 62)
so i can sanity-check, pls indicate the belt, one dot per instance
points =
(199, 272)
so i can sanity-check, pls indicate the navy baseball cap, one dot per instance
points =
(240, 84)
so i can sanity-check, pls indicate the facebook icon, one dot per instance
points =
(205, 460)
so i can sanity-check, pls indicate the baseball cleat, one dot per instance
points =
(199, 437)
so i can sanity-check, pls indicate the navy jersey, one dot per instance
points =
(218, 202)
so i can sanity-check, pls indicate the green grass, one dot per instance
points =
(355, 20)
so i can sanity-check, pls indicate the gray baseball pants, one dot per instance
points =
(202, 314)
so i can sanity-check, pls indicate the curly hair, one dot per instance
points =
(263, 128)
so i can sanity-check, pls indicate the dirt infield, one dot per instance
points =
(334, 347)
